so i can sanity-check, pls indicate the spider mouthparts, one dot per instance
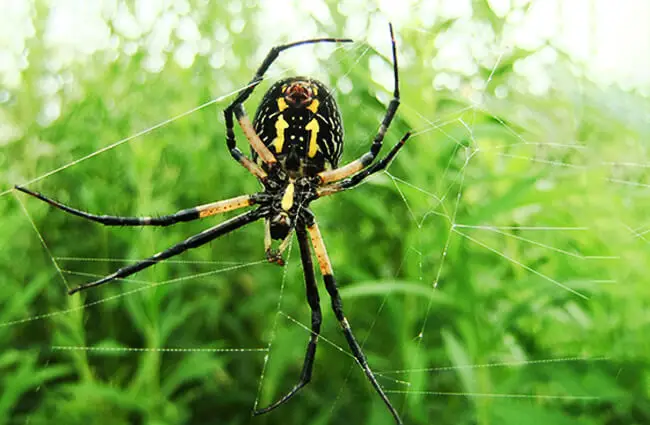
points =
(275, 258)
(298, 94)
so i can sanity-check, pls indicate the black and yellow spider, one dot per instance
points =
(297, 142)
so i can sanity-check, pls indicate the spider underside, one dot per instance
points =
(296, 143)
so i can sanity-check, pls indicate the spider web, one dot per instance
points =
(443, 222)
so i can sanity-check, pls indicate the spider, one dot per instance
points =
(296, 141)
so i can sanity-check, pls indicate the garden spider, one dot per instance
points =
(297, 142)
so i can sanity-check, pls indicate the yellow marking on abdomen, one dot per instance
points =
(282, 104)
(280, 126)
(223, 206)
(313, 106)
(314, 128)
(287, 198)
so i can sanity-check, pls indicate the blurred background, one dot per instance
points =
(496, 273)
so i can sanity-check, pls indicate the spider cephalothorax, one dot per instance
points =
(287, 199)
(296, 141)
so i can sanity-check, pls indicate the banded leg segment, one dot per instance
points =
(189, 243)
(251, 166)
(237, 154)
(236, 108)
(367, 158)
(361, 176)
(316, 319)
(337, 307)
(188, 214)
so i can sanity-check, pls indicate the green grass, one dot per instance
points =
(571, 357)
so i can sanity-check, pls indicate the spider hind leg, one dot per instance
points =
(316, 319)
(337, 306)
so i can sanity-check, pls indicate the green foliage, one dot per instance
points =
(443, 278)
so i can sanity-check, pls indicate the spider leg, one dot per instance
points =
(337, 306)
(362, 175)
(316, 318)
(367, 158)
(188, 214)
(236, 108)
(189, 243)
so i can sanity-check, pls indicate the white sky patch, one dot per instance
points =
(455, 9)
(74, 30)
(611, 39)
(624, 59)
(500, 7)
(15, 29)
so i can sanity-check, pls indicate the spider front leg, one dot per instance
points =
(367, 158)
(316, 319)
(337, 305)
(236, 109)
(361, 176)
(188, 214)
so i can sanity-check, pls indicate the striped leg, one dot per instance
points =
(189, 243)
(316, 318)
(337, 306)
(362, 175)
(189, 214)
(367, 158)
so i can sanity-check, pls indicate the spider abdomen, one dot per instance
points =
(299, 120)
